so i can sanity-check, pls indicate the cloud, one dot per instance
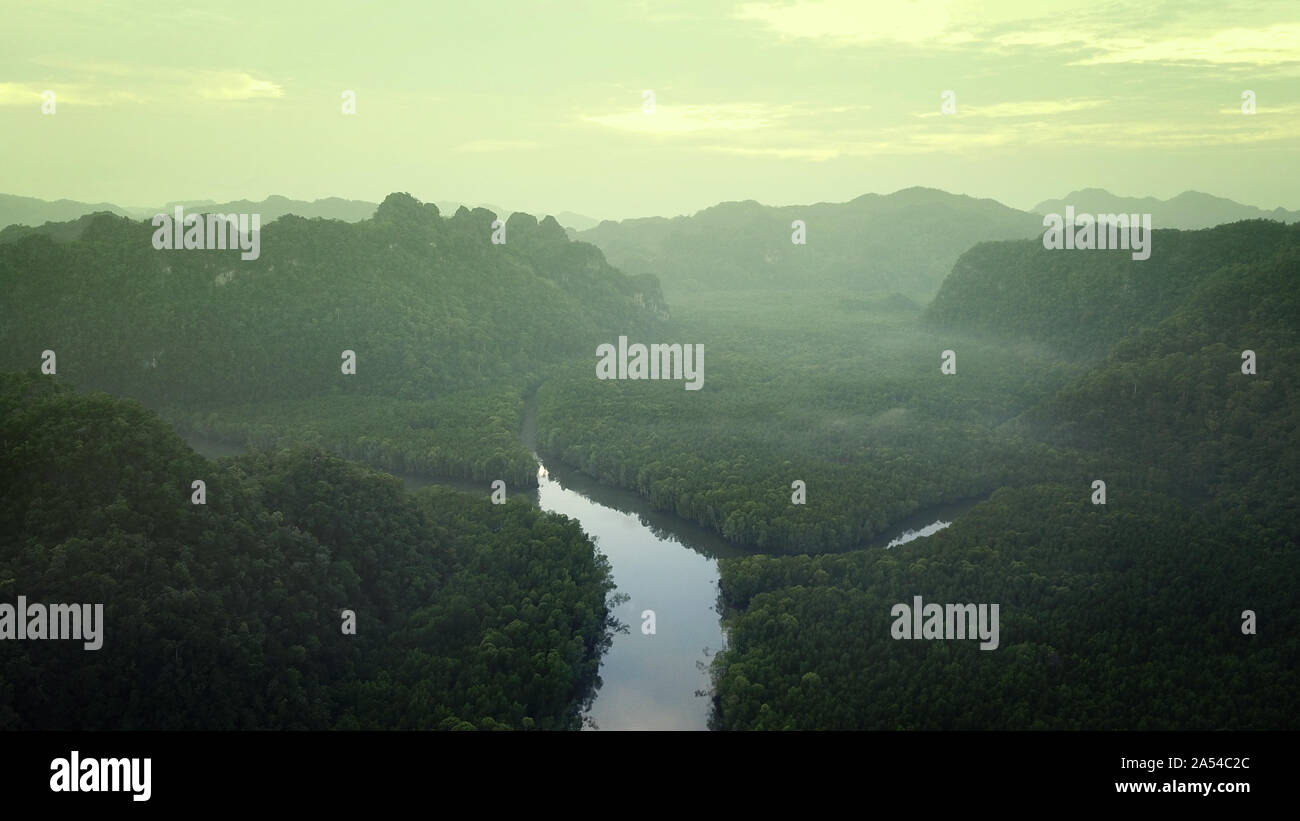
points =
(951, 138)
(1265, 110)
(20, 94)
(1270, 45)
(783, 153)
(852, 21)
(1022, 108)
(224, 85)
(689, 119)
(1263, 34)
(476, 146)
(115, 84)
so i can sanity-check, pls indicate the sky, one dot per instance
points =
(543, 106)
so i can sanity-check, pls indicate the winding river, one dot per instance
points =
(661, 563)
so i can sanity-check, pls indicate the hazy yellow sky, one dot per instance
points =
(539, 105)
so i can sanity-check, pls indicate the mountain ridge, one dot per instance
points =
(34, 213)
(854, 244)
(1190, 210)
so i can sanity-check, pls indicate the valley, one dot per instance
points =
(947, 448)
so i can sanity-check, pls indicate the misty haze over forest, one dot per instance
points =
(774, 395)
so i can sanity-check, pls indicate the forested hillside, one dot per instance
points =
(1071, 368)
(227, 615)
(1122, 616)
(60, 231)
(1081, 303)
(1170, 393)
(904, 242)
(22, 216)
(1174, 398)
(429, 305)
(1125, 614)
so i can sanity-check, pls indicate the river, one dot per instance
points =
(661, 563)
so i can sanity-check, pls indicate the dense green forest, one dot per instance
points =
(844, 395)
(1123, 615)
(430, 306)
(1173, 398)
(1170, 394)
(1083, 303)
(847, 395)
(905, 242)
(471, 433)
(1118, 616)
(227, 615)
(629, 366)
(1070, 368)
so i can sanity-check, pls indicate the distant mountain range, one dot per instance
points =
(16, 210)
(33, 212)
(275, 206)
(1190, 210)
(905, 242)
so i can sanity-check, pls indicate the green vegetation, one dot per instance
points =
(820, 365)
(848, 399)
(434, 311)
(1174, 400)
(1170, 398)
(1081, 303)
(470, 434)
(227, 615)
(1123, 616)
